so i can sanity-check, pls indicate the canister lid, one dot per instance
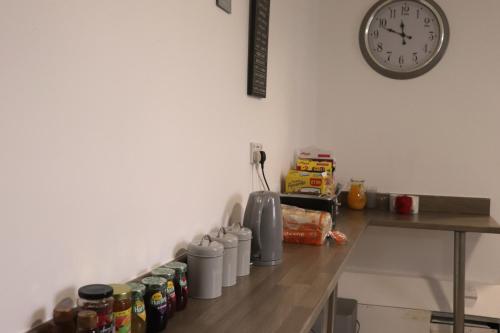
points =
(241, 232)
(138, 289)
(121, 291)
(228, 240)
(95, 291)
(206, 247)
(177, 266)
(164, 272)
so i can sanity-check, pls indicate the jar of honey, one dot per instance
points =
(356, 198)
(122, 308)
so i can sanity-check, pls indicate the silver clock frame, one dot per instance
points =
(444, 38)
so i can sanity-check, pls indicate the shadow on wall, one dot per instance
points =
(40, 315)
(232, 215)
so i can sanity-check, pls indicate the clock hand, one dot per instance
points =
(402, 34)
(398, 33)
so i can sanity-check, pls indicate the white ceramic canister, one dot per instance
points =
(230, 265)
(244, 245)
(205, 260)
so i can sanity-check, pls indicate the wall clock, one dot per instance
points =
(403, 39)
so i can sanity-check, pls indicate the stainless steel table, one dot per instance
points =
(459, 224)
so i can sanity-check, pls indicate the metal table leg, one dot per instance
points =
(459, 282)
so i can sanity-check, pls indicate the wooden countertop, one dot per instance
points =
(284, 298)
(289, 297)
(433, 221)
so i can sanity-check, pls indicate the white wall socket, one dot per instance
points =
(254, 148)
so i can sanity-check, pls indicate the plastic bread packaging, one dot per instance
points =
(302, 226)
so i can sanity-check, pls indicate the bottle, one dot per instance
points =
(138, 307)
(98, 298)
(356, 198)
(156, 303)
(87, 322)
(63, 316)
(180, 282)
(122, 308)
(169, 275)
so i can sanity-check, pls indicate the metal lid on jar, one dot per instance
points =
(87, 319)
(95, 291)
(154, 282)
(228, 240)
(138, 289)
(241, 232)
(164, 272)
(177, 266)
(207, 247)
(121, 291)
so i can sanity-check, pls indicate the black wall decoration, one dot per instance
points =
(257, 47)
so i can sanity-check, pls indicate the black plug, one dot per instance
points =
(262, 157)
(262, 160)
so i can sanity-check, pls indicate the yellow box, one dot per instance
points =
(309, 182)
(314, 166)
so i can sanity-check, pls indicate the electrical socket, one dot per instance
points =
(255, 148)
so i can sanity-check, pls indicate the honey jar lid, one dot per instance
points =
(121, 291)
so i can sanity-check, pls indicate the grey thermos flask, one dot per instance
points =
(263, 217)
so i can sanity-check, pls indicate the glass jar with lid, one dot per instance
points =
(156, 303)
(169, 275)
(356, 198)
(122, 308)
(98, 298)
(180, 283)
(138, 308)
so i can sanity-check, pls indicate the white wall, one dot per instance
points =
(125, 130)
(436, 134)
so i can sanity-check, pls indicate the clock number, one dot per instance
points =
(431, 35)
(382, 23)
(401, 60)
(380, 47)
(427, 22)
(426, 48)
(389, 54)
(374, 34)
(418, 14)
(405, 10)
(392, 12)
(415, 57)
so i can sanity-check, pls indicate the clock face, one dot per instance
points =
(404, 39)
